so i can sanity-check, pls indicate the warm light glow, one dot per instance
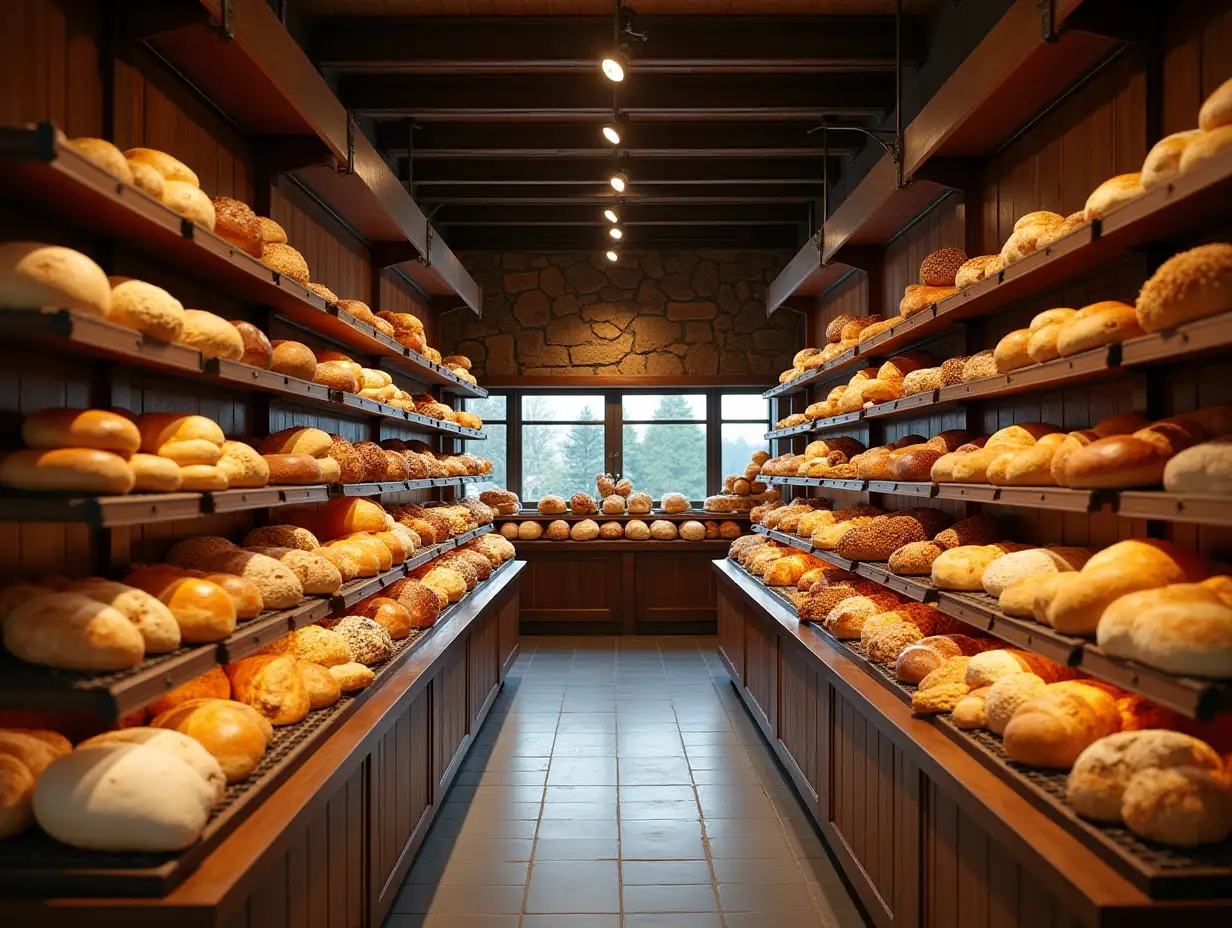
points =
(614, 68)
(619, 182)
(611, 215)
(611, 132)
(615, 232)
(613, 255)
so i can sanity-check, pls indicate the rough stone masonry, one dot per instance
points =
(654, 313)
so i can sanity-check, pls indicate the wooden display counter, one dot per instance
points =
(333, 843)
(926, 831)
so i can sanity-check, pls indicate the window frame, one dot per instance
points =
(614, 422)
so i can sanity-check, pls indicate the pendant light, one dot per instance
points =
(619, 181)
(612, 255)
(614, 132)
(611, 214)
(616, 232)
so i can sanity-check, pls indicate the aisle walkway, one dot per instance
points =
(620, 782)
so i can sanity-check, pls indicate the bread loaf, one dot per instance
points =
(159, 630)
(962, 568)
(939, 268)
(1112, 193)
(146, 308)
(223, 727)
(1190, 285)
(1033, 562)
(294, 359)
(1179, 806)
(353, 676)
(1163, 161)
(1011, 352)
(971, 712)
(257, 348)
(976, 269)
(1006, 696)
(286, 261)
(81, 428)
(190, 202)
(1206, 146)
(237, 224)
(1099, 324)
(271, 684)
(213, 684)
(1055, 727)
(36, 276)
(72, 632)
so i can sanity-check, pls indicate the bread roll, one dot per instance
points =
(271, 684)
(286, 261)
(353, 676)
(272, 232)
(257, 348)
(118, 796)
(146, 308)
(301, 440)
(1179, 806)
(224, 728)
(159, 630)
(1011, 352)
(976, 269)
(962, 568)
(1103, 323)
(243, 466)
(1163, 161)
(919, 298)
(280, 588)
(940, 268)
(188, 200)
(236, 223)
(346, 516)
(147, 179)
(292, 469)
(154, 474)
(72, 632)
(294, 359)
(170, 168)
(1034, 562)
(36, 276)
(1007, 695)
(104, 155)
(202, 478)
(203, 610)
(1216, 110)
(1055, 727)
(317, 575)
(16, 796)
(1190, 285)
(1206, 146)
(80, 428)
(390, 614)
(314, 644)
(1112, 193)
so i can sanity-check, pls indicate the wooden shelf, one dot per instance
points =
(1190, 697)
(700, 515)
(54, 179)
(266, 84)
(112, 695)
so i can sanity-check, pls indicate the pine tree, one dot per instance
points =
(582, 456)
(673, 457)
(541, 464)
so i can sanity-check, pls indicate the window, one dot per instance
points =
(563, 444)
(744, 417)
(554, 443)
(493, 412)
(663, 439)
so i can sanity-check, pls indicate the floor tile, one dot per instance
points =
(580, 810)
(653, 771)
(577, 849)
(751, 846)
(571, 921)
(599, 794)
(568, 886)
(477, 848)
(660, 808)
(661, 840)
(468, 873)
(559, 828)
(582, 771)
(706, 920)
(765, 897)
(757, 870)
(784, 920)
(459, 900)
(664, 872)
(397, 920)
(679, 898)
(484, 828)
(670, 792)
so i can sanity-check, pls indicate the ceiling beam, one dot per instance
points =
(582, 140)
(602, 193)
(633, 215)
(676, 97)
(588, 172)
(522, 44)
(507, 238)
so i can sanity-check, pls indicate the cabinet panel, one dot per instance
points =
(571, 587)
(798, 723)
(874, 823)
(484, 671)
(402, 793)
(731, 630)
(761, 657)
(449, 711)
(674, 587)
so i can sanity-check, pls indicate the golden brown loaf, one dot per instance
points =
(237, 224)
(1011, 352)
(212, 335)
(271, 684)
(170, 168)
(223, 727)
(292, 469)
(271, 232)
(977, 269)
(286, 261)
(1104, 323)
(939, 268)
(36, 276)
(80, 428)
(73, 632)
(189, 201)
(1055, 727)
(81, 470)
(1216, 110)
(1113, 193)
(294, 359)
(1163, 161)
(257, 349)
(1206, 146)
(105, 156)
(1190, 285)
(159, 630)
(146, 308)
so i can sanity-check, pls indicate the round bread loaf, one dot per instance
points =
(159, 629)
(243, 466)
(102, 154)
(1206, 146)
(212, 335)
(155, 474)
(189, 201)
(583, 505)
(1112, 193)
(1190, 285)
(586, 530)
(611, 531)
(1216, 110)
(236, 223)
(675, 502)
(294, 359)
(298, 440)
(36, 276)
(336, 375)
(1104, 323)
(637, 530)
(974, 270)
(286, 261)
(1203, 469)
(1011, 352)
(1163, 161)
(1179, 806)
(614, 505)
(693, 531)
(225, 728)
(940, 268)
(149, 309)
(551, 505)
(81, 470)
(1007, 694)
(369, 642)
(271, 232)
(203, 478)
(558, 530)
(322, 688)
(530, 531)
(322, 291)
(352, 677)
(273, 684)
(257, 348)
(509, 530)
(170, 168)
(662, 530)
(292, 469)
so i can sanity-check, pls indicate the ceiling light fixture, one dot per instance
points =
(612, 255)
(616, 64)
(619, 181)
(616, 233)
(614, 132)
(611, 214)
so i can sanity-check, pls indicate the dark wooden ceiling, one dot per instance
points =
(494, 120)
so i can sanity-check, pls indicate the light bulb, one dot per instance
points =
(619, 182)
(612, 132)
(615, 233)
(615, 64)
(613, 255)
(611, 215)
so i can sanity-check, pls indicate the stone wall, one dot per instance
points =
(655, 313)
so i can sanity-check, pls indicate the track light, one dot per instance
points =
(613, 132)
(612, 255)
(619, 181)
(616, 233)
(611, 214)
(616, 64)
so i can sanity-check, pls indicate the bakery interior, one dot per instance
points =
(523, 463)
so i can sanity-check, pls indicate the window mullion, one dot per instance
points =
(714, 441)
(513, 432)
(613, 433)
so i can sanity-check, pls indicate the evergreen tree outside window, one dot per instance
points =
(563, 445)
(745, 418)
(664, 443)
(493, 410)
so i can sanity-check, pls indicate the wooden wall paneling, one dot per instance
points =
(761, 658)
(562, 588)
(336, 258)
(1197, 58)
(941, 226)
(483, 670)
(510, 607)
(731, 631)
(798, 722)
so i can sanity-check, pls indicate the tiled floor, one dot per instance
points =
(620, 782)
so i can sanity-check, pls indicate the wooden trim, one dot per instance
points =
(630, 382)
